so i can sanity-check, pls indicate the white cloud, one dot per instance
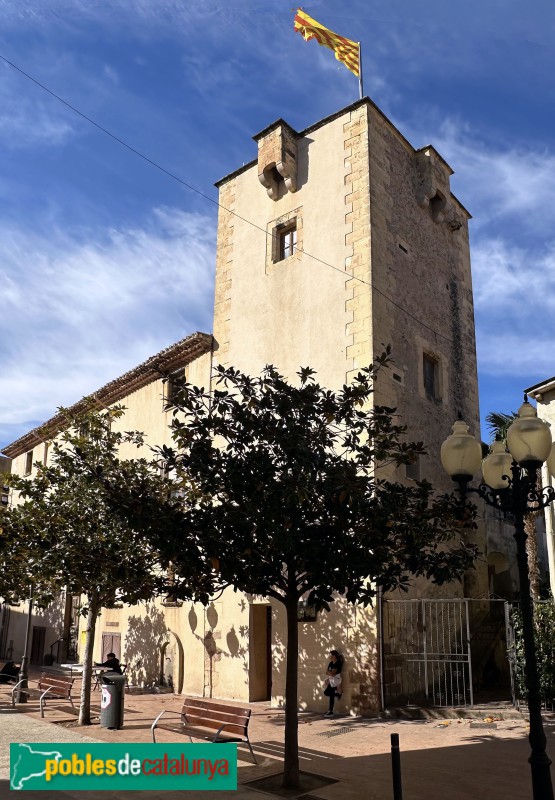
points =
(514, 278)
(110, 73)
(514, 292)
(79, 312)
(518, 356)
(499, 182)
(29, 115)
(29, 118)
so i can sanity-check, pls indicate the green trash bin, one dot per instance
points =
(111, 703)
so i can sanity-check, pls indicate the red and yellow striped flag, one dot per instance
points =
(345, 50)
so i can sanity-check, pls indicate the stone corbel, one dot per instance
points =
(452, 219)
(277, 159)
(288, 171)
(432, 184)
(424, 191)
(267, 180)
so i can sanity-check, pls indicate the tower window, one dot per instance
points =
(286, 240)
(413, 470)
(431, 377)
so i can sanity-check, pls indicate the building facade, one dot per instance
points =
(333, 243)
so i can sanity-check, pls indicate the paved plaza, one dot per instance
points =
(447, 760)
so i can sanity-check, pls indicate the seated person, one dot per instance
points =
(111, 663)
(9, 672)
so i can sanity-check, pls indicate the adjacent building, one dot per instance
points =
(544, 395)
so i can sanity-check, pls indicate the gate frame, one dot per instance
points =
(424, 655)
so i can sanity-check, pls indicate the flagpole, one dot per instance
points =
(360, 86)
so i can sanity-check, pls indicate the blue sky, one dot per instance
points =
(104, 260)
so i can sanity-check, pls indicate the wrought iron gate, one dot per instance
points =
(426, 652)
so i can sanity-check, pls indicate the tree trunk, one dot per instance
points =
(291, 777)
(68, 610)
(532, 554)
(92, 614)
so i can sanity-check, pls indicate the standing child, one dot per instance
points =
(333, 688)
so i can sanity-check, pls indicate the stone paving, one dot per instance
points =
(445, 759)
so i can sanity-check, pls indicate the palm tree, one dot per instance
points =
(498, 425)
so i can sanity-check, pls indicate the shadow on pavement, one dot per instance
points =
(485, 767)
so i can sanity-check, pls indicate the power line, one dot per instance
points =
(215, 202)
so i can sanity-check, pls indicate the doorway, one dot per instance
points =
(111, 643)
(260, 652)
(172, 663)
(37, 644)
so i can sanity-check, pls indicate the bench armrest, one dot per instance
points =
(17, 685)
(41, 700)
(223, 727)
(27, 689)
(220, 729)
(155, 723)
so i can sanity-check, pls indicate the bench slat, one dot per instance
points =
(217, 708)
(60, 686)
(199, 733)
(215, 723)
(241, 719)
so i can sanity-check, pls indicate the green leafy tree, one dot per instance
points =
(544, 635)
(498, 425)
(289, 501)
(66, 529)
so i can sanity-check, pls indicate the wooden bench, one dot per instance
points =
(231, 723)
(56, 687)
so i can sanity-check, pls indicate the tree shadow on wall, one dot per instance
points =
(212, 638)
(348, 628)
(144, 639)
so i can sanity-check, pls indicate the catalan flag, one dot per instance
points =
(346, 51)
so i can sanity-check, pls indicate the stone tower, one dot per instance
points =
(353, 241)
(336, 241)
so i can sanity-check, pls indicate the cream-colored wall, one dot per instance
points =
(360, 190)
(347, 628)
(432, 312)
(214, 642)
(145, 410)
(294, 314)
(50, 618)
(358, 201)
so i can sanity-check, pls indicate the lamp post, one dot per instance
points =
(21, 694)
(510, 484)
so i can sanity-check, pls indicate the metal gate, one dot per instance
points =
(426, 652)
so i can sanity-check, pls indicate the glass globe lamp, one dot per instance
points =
(461, 453)
(529, 438)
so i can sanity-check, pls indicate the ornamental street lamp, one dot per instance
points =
(510, 484)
